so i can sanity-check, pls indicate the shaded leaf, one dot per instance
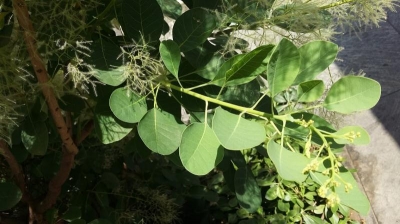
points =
(199, 149)
(193, 28)
(142, 18)
(72, 213)
(10, 195)
(247, 191)
(170, 8)
(35, 138)
(160, 132)
(235, 132)
(109, 129)
(352, 94)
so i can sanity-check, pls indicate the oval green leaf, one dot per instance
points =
(235, 132)
(200, 149)
(142, 19)
(127, 106)
(352, 135)
(171, 56)
(352, 94)
(282, 157)
(193, 28)
(170, 8)
(160, 132)
(247, 191)
(316, 56)
(310, 91)
(10, 195)
(283, 66)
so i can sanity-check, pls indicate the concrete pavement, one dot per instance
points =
(377, 52)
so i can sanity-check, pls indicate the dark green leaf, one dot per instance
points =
(10, 195)
(170, 8)
(142, 19)
(110, 180)
(193, 28)
(72, 103)
(72, 213)
(247, 191)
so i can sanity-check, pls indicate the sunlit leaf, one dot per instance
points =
(283, 66)
(352, 94)
(127, 105)
(352, 135)
(171, 56)
(200, 149)
(316, 56)
(160, 132)
(310, 91)
(282, 157)
(235, 132)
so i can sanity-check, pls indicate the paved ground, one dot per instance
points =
(377, 53)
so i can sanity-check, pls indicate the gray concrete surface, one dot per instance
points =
(377, 53)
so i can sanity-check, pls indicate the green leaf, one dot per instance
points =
(72, 213)
(109, 129)
(282, 157)
(210, 70)
(308, 219)
(35, 138)
(236, 133)
(352, 94)
(171, 56)
(10, 195)
(142, 19)
(352, 135)
(316, 56)
(160, 132)
(247, 191)
(310, 91)
(170, 8)
(193, 28)
(200, 149)
(283, 66)
(354, 198)
(127, 106)
(243, 69)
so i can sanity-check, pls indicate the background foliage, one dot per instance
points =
(153, 111)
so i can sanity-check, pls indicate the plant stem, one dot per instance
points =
(222, 103)
(335, 4)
